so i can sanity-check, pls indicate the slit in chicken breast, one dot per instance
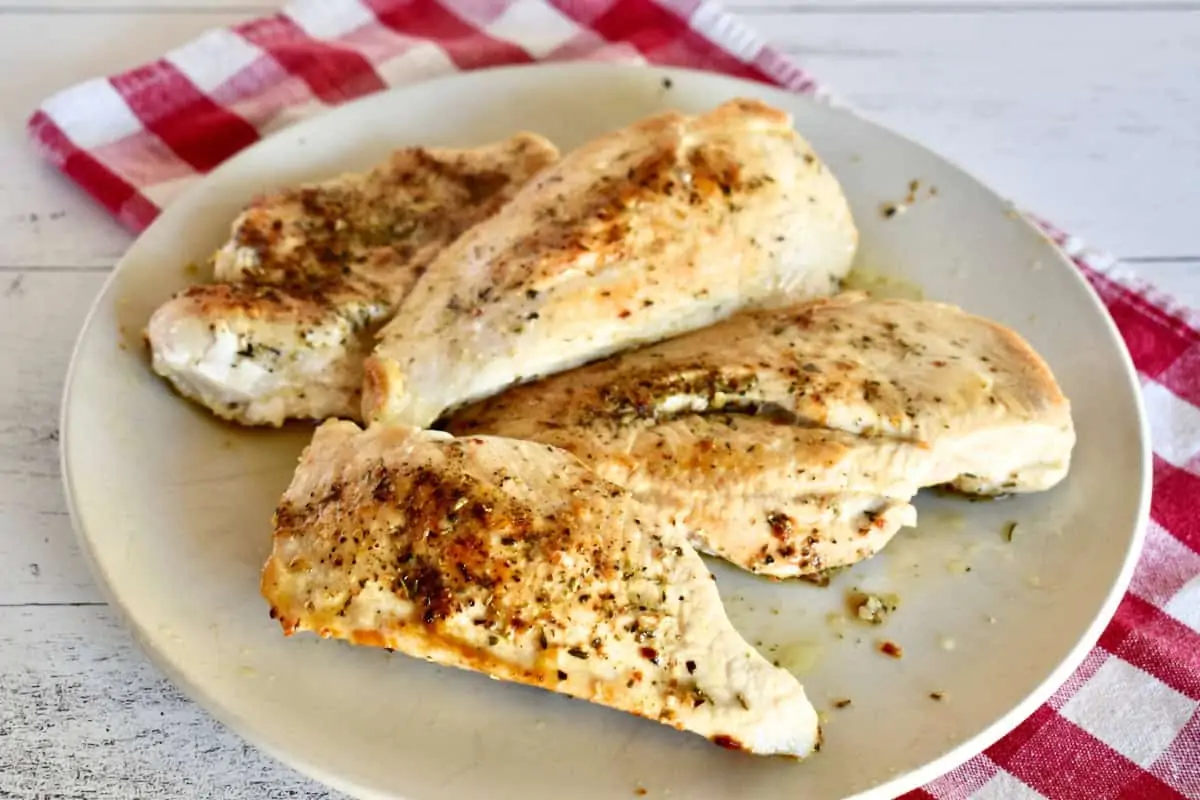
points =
(513, 559)
(310, 273)
(791, 441)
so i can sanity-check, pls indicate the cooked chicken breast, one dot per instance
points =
(790, 441)
(656, 229)
(513, 559)
(310, 272)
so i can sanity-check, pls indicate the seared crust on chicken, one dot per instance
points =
(656, 229)
(309, 274)
(789, 441)
(513, 559)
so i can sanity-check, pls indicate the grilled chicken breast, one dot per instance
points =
(310, 273)
(513, 559)
(789, 441)
(644, 233)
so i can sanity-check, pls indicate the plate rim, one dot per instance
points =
(902, 783)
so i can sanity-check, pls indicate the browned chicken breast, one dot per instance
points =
(513, 559)
(310, 273)
(790, 441)
(644, 233)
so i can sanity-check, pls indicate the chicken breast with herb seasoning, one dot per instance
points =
(513, 559)
(659, 228)
(792, 441)
(310, 273)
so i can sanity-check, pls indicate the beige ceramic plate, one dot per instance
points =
(174, 509)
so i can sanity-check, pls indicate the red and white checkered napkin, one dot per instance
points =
(1125, 725)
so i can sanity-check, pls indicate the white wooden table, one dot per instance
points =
(1087, 112)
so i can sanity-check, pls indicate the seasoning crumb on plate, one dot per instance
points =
(936, 696)
(841, 702)
(890, 648)
(870, 607)
(958, 567)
